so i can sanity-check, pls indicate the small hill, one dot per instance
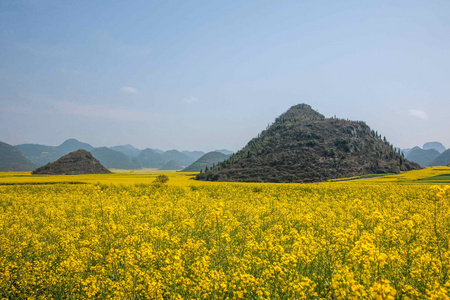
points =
(114, 159)
(421, 156)
(78, 162)
(304, 146)
(434, 145)
(206, 161)
(442, 160)
(225, 151)
(127, 149)
(180, 158)
(171, 165)
(12, 160)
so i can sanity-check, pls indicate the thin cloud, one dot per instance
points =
(98, 111)
(129, 90)
(190, 100)
(419, 114)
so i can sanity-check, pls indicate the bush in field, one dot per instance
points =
(161, 179)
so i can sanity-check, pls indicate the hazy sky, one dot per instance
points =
(206, 75)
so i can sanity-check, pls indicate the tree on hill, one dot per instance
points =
(304, 146)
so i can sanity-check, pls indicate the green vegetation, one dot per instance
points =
(304, 146)
(442, 177)
(161, 179)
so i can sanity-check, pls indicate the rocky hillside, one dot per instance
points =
(304, 146)
(78, 162)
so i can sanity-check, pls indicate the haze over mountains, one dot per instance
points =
(124, 157)
(431, 154)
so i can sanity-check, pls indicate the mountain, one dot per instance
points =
(127, 150)
(12, 160)
(193, 154)
(171, 165)
(225, 151)
(180, 158)
(434, 145)
(38, 154)
(442, 160)
(421, 156)
(41, 154)
(206, 161)
(73, 145)
(78, 162)
(115, 159)
(304, 146)
(150, 159)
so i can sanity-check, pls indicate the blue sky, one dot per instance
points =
(206, 75)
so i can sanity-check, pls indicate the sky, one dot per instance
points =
(208, 75)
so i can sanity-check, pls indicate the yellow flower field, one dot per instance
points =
(120, 236)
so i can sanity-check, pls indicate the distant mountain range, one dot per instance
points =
(431, 154)
(125, 157)
(27, 157)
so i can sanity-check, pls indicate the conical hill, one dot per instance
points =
(304, 146)
(77, 162)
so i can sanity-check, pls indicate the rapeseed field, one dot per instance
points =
(120, 236)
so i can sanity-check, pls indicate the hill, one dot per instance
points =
(442, 160)
(180, 158)
(304, 146)
(193, 154)
(421, 156)
(115, 159)
(78, 162)
(434, 145)
(12, 160)
(150, 159)
(208, 160)
(225, 151)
